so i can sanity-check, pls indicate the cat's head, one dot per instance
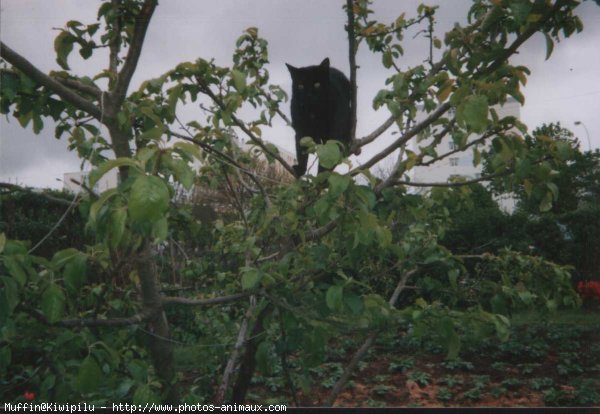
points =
(310, 83)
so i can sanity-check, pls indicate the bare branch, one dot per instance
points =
(375, 134)
(403, 139)
(352, 61)
(230, 367)
(321, 231)
(61, 90)
(57, 224)
(206, 90)
(136, 319)
(135, 49)
(115, 42)
(169, 300)
(80, 87)
(456, 183)
(362, 351)
(231, 162)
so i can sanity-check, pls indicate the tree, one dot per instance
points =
(576, 174)
(295, 268)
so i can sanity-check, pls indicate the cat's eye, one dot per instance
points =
(300, 86)
(317, 85)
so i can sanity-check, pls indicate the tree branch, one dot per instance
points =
(229, 368)
(206, 90)
(115, 42)
(352, 61)
(80, 87)
(133, 54)
(170, 300)
(136, 319)
(454, 183)
(362, 351)
(35, 74)
(403, 139)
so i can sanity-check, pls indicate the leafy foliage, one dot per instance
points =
(317, 257)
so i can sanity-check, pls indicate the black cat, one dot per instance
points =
(320, 107)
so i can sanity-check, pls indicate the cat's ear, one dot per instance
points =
(291, 68)
(325, 63)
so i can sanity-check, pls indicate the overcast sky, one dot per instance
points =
(565, 88)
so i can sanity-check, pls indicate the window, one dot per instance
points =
(454, 161)
(452, 145)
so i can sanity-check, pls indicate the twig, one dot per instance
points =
(403, 139)
(133, 54)
(241, 339)
(35, 74)
(217, 100)
(80, 87)
(56, 225)
(138, 318)
(170, 300)
(352, 61)
(115, 42)
(361, 352)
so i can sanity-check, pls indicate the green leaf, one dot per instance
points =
(144, 395)
(62, 257)
(63, 45)
(75, 272)
(188, 148)
(108, 165)
(329, 154)
(387, 59)
(453, 278)
(148, 199)
(118, 220)
(15, 270)
(9, 84)
(250, 278)
(520, 10)
(307, 142)
(174, 95)
(160, 230)
(95, 208)
(499, 305)
(5, 359)
(549, 45)
(9, 296)
(334, 297)
(338, 184)
(474, 112)
(239, 80)
(153, 133)
(263, 353)
(89, 375)
(182, 172)
(476, 157)
(445, 328)
(53, 303)
(502, 325)
(354, 302)
(546, 203)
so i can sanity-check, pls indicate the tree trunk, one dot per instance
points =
(248, 365)
(159, 343)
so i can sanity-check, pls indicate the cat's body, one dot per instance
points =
(320, 107)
